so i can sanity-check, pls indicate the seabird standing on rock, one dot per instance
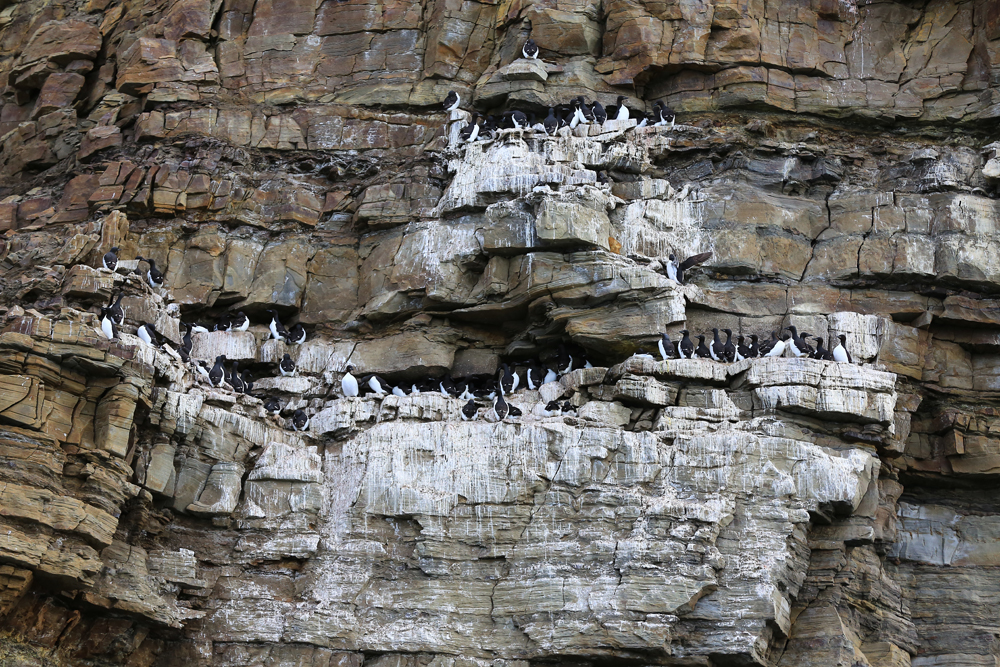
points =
(218, 372)
(530, 49)
(297, 334)
(272, 407)
(202, 367)
(550, 376)
(115, 309)
(588, 113)
(278, 331)
(754, 347)
(378, 385)
(676, 271)
(551, 123)
(197, 328)
(702, 351)
(519, 119)
(533, 377)
(147, 334)
(505, 379)
(452, 101)
(623, 113)
(239, 322)
(186, 343)
(224, 324)
(667, 115)
(600, 113)
(153, 275)
(798, 346)
(776, 349)
(552, 409)
(686, 348)
(840, 352)
(110, 259)
(286, 365)
(470, 132)
(247, 381)
(234, 378)
(349, 383)
(666, 347)
(108, 327)
(728, 349)
(564, 360)
(820, 352)
(742, 351)
(300, 420)
(717, 350)
(469, 411)
(500, 407)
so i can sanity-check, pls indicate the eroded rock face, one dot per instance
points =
(833, 156)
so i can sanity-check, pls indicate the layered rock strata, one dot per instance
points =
(837, 158)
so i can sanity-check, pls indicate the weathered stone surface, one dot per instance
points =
(294, 155)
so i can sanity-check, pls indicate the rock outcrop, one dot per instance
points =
(837, 158)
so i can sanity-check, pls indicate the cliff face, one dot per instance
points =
(836, 158)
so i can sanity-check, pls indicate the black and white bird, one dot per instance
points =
(798, 346)
(776, 348)
(296, 335)
(728, 349)
(349, 383)
(754, 346)
(470, 132)
(147, 334)
(600, 113)
(108, 326)
(115, 309)
(153, 275)
(667, 116)
(742, 350)
(702, 351)
(716, 349)
(550, 376)
(530, 49)
(675, 269)
(300, 420)
(451, 101)
(820, 352)
(218, 372)
(239, 322)
(272, 406)
(563, 360)
(224, 323)
(623, 112)
(202, 368)
(186, 343)
(234, 378)
(840, 352)
(666, 347)
(552, 409)
(505, 379)
(197, 329)
(378, 385)
(286, 365)
(551, 123)
(685, 349)
(110, 259)
(500, 408)
(519, 119)
(533, 377)
(247, 381)
(278, 331)
(469, 411)
(588, 113)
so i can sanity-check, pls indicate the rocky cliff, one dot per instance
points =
(837, 157)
